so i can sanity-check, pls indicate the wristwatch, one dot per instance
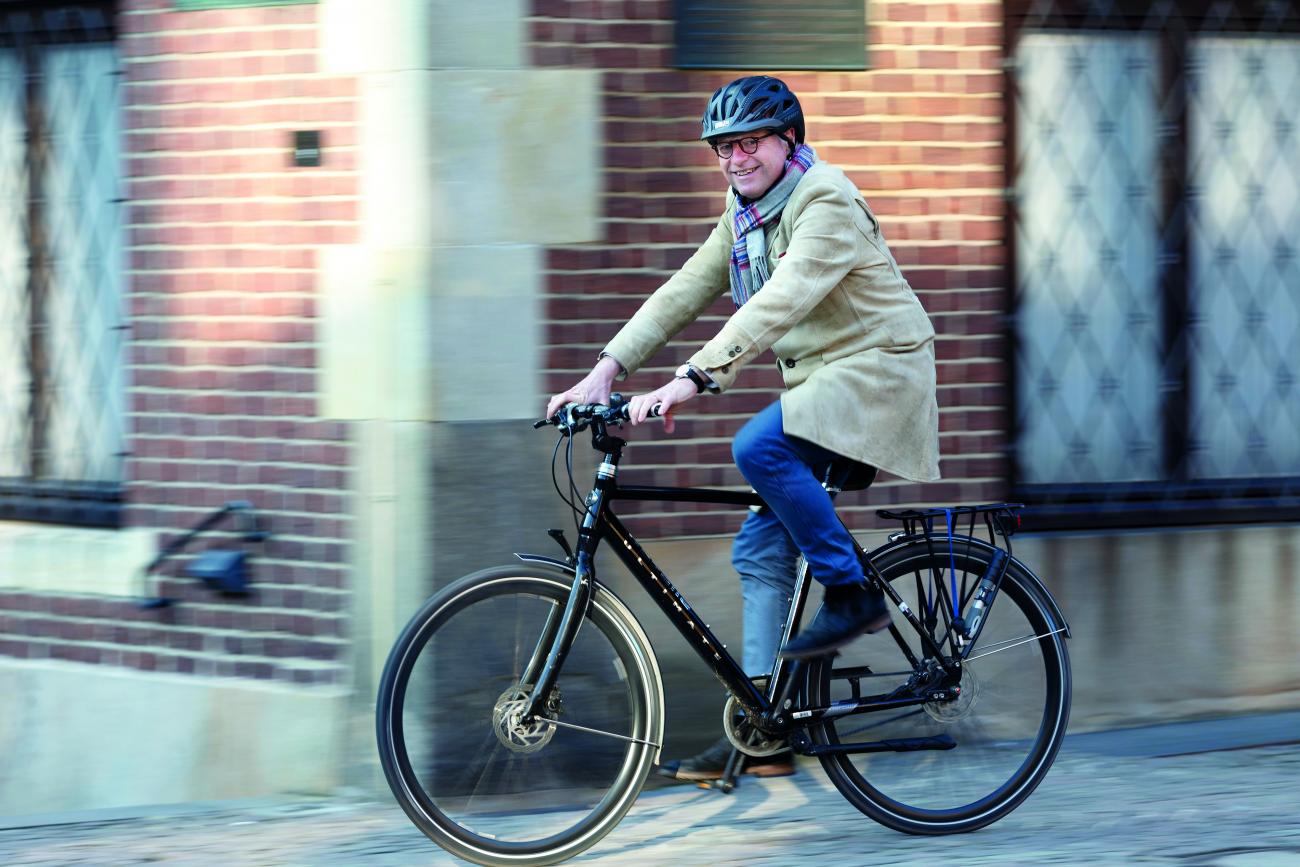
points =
(702, 383)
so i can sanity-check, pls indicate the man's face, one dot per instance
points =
(752, 174)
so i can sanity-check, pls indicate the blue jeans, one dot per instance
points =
(787, 473)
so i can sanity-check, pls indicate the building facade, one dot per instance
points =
(329, 257)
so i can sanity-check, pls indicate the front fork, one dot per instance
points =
(562, 626)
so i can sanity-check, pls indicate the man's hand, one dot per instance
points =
(592, 388)
(668, 397)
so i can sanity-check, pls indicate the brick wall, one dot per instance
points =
(921, 134)
(222, 237)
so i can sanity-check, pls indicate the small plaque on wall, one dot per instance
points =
(771, 34)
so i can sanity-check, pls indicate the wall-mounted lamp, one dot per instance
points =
(225, 570)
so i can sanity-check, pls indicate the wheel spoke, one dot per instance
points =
(1007, 717)
(1014, 642)
(627, 738)
(899, 717)
(456, 672)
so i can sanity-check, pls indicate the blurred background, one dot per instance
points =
(331, 257)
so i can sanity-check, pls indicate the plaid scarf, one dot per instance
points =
(749, 254)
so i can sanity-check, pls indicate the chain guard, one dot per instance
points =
(744, 735)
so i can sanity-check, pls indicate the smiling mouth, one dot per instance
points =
(746, 172)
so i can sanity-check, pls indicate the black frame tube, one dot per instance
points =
(681, 615)
(600, 522)
(584, 582)
(686, 495)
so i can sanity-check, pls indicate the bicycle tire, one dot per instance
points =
(934, 792)
(523, 797)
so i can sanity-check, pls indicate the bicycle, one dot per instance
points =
(511, 736)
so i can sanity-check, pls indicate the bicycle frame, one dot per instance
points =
(773, 710)
(465, 789)
(599, 522)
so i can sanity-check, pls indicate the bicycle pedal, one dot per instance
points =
(717, 785)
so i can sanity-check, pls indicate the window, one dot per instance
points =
(62, 267)
(1156, 179)
(1244, 280)
(771, 34)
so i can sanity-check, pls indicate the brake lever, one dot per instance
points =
(565, 421)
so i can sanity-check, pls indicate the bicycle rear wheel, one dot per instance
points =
(466, 770)
(1007, 724)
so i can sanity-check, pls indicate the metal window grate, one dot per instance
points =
(1155, 174)
(62, 266)
(1087, 290)
(1244, 207)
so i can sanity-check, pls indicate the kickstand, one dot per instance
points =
(730, 772)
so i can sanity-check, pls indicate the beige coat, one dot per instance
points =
(852, 341)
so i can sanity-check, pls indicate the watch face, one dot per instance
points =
(683, 372)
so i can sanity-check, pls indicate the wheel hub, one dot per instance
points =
(508, 723)
(960, 707)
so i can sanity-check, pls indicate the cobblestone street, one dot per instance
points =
(1150, 796)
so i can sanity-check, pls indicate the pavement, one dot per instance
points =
(1221, 792)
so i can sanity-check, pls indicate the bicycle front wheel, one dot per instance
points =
(1002, 732)
(468, 771)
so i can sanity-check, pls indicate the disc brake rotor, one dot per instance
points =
(508, 725)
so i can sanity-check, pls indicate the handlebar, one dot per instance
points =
(578, 416)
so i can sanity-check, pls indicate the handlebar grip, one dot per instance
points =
(622, 412)
(615, 411)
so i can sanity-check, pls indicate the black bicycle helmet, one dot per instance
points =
(750, 103)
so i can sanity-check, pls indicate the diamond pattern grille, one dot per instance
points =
(1245, 278)
(1156, 182)
(62, 265)
(1088, 306)
(15, 380)
(84, 298)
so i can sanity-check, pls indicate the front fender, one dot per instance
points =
(550, 561)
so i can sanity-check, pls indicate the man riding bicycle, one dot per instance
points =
(812, 278)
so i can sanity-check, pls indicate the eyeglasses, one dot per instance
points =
(749, 145)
